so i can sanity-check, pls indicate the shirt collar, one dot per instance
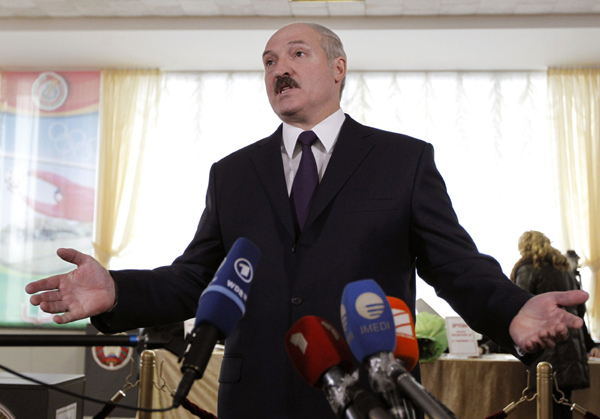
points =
(327, 130)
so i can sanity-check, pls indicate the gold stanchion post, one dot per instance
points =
(147, 368)
(544, 390)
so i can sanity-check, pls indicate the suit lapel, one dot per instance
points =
(351, 148)
(269, 167)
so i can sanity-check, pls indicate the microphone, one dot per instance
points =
(370, 331)
(220, 307)
(369, 328)
(322, 358)
(407, 347)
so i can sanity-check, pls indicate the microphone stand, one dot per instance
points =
(141, 341)
(386, 367)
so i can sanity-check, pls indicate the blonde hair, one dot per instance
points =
(535, 245)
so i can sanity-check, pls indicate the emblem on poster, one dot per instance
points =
(112, 358)
(5, 413)
(49, 91)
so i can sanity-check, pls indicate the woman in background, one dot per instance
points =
(542, 268)
(592, 347)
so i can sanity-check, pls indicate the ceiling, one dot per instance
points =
(171, 8)
(229, 35)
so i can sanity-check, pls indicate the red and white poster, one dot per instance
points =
(461, 338)
(48, 153)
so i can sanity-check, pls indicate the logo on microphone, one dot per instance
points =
(344, 317)
(244, 269)
(331, 329)
(298, 339)
(403, 323)
(369, 305)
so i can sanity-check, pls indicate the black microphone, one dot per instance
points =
(221, 306)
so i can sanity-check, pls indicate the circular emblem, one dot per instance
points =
(369, 305)
(49, 91)
(244, 269)
(112, 358)
(5, 413)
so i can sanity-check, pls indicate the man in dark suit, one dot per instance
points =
(380, 210)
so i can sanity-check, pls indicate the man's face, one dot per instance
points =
(302, 87)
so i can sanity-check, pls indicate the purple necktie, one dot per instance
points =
(306, 179)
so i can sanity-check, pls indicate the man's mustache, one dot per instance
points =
(284, 81)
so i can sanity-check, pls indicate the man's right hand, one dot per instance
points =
(542, 321)
(87, 291)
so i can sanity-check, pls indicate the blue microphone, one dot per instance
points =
(367, 319)
(223, 302)
(368, 323)
(370, 331)
(221, 306)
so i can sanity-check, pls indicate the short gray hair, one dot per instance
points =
(332, 45)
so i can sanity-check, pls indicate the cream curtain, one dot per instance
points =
(129, 104)
(489, 129)
(575, 114)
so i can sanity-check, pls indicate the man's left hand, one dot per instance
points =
(542, 321)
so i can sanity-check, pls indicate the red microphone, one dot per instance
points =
(407, 347)
(322, 357)
(314, 346)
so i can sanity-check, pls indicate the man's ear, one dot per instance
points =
(339, 65)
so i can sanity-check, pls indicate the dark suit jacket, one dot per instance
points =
(380, 211)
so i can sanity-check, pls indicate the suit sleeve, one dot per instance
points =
(168, 294)
(447, 258)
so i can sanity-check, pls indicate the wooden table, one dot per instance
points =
(475, 388)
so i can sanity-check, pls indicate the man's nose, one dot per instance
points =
(281, 74)
(283, 68)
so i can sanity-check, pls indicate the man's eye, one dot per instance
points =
(268, 63)
(300, 53)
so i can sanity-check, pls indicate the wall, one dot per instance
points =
(62, 360)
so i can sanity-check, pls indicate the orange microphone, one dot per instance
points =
(407, 348)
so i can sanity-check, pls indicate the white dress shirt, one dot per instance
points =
(291, 152)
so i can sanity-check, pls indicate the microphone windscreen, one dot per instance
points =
(223, 302)
(314, 346)
(407, 347)
(367, 319)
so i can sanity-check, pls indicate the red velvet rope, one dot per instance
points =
(106, 410)
(498, 415)
(195, 410)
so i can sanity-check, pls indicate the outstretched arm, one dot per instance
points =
(87, 291)
(542, 321)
